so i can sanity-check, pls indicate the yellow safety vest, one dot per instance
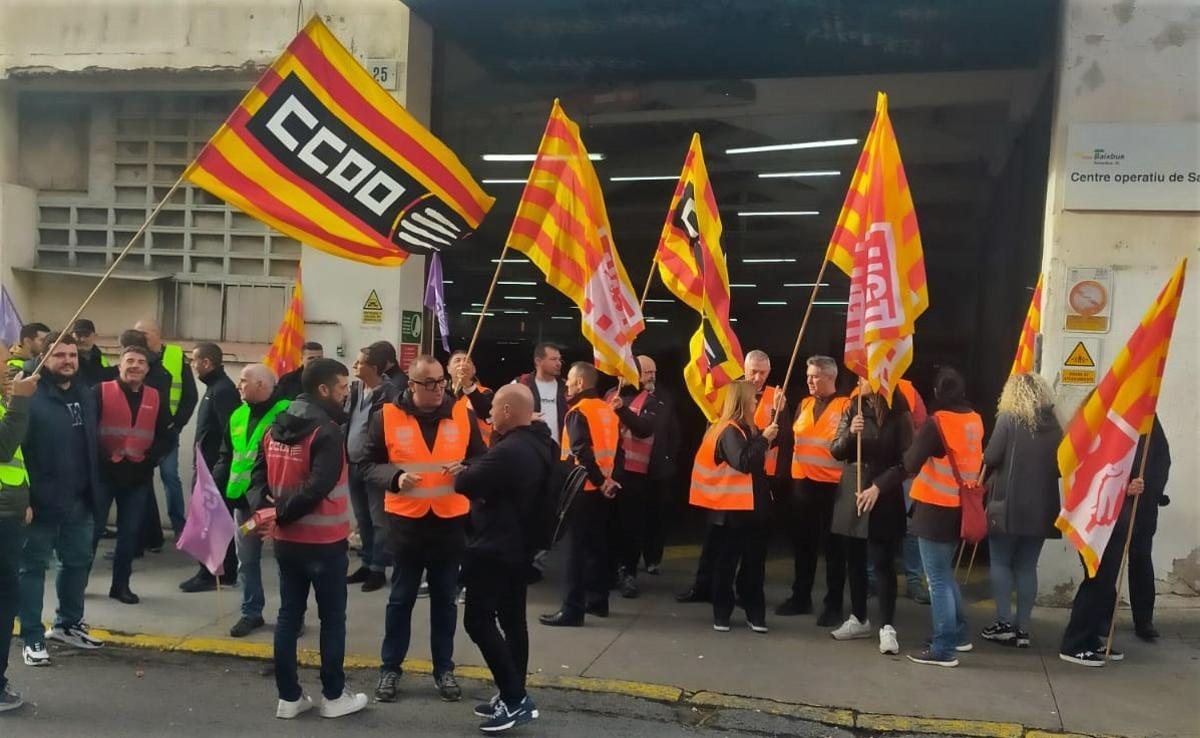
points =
(172, 361)
(12, 472)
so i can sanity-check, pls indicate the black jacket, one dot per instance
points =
(55, 474)
(220, 399)
(1022, 481)
(502, 485)
(746, 452)
(90, 369)
(189, 395)
(289, 387)
(530, 381)
(883, 448)
(581, 440)
(481, 401)
(383, 394)
(656, 419)
(1158, 464)
(126, 473)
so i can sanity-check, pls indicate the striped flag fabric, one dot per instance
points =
(1024, 361)
(321, 152)
(285, 352)
(562, 226)
(1096, 456)
(878, 245)
(691, 263)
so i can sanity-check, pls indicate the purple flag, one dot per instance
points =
(209, 527)
(10, 320)
(435, 298)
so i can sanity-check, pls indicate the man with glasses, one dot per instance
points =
(415, 447)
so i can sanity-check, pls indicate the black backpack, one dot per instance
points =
(544, 518)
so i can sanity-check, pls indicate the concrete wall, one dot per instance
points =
(1130, 62)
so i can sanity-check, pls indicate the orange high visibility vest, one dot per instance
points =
(762, 418)
(719, 486)
(935, 484)
(485, 428)
(813, 437)
(603, 427)
(406, 449)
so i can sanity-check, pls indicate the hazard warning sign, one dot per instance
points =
(372, 310)
(1079, 356)
(1080, 367)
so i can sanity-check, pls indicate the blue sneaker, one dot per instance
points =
(506, 718)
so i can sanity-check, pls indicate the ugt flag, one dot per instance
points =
(1096, 455)
(320, 151)
(209, 527)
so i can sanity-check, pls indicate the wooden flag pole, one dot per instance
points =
(649, 279)
(803, 325)
(858, 441)
(486, 302)
(112, 268)
(1112, 625)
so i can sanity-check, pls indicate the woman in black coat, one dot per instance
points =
(872, 522)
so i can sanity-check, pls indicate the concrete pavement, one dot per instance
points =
(654, 648)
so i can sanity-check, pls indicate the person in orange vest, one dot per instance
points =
(953, 429)
(134, 434)
(770, 407)
(590, 439)
(815, 476)
(300, 476)
(729, 479)
(415, 447)
(466, 389)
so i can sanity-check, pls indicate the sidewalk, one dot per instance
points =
(653, 647)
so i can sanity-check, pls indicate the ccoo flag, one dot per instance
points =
(1023, 362)
(562, 226)
(877, 244)
(209, 527)
(1096, 455)
(285, 352)
(320, 151)
(691, 263)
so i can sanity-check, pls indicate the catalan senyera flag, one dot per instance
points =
(562, 226)
(284, 354)
(1096, 455)
(691, 263)
(877, 244)
(320, 151)
(1023, 362)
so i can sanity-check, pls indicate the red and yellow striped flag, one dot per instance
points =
(1023, 363)
(562, 226)
(284, 354)
(320, 151)
(1096, 455)
(691, 263)
(877, 244)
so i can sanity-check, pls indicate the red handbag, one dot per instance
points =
(974, 525)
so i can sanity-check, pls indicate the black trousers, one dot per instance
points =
(230, 564)
(586, 568)
(632, 504)
(882, 555)
(658, 501)
(811, 514)
(744, 545)
(495, 621)
(1091, 612)
(704, 569)
(1141, 565)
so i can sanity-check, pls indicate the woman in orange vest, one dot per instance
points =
(872, 522)
(953, 430)
(730, 480)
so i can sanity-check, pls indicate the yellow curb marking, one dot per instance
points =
(945, 726)
(658, 692)
(831, 716)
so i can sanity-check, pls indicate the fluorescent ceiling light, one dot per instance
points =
(503, 181)
(562, 317)
(447, 281)
(805, 284)
(747, 286)
(518, 284)
(733, 320)
(479, 313)
(645, 178)
(515, 312)
(771, 213)
(528, 157)
(656, 320)
(831, 302)
(768, 261)
(519, 297)
(813, 173)
(772, 302)
(794, 146)
(512, 260)
(657, 299)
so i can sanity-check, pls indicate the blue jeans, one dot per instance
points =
(1014, 561)
(249, 553)
(168, 472)
(442, 575)
(945, 599)
(131, 516)
(327, 578)
(371, 519)
(71, 539)
(12, 535)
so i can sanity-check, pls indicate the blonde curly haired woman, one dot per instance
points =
(1023, 500)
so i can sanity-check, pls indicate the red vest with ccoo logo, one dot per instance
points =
(121, 436)
(288, 466)
(636, 450)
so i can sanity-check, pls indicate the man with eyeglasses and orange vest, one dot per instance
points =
(134, 434)
(590, 439)
(467, 390)
(415, 447)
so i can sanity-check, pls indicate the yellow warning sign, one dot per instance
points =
(372, 311)
(372, 302)
(1080, 357)
(1079, 376)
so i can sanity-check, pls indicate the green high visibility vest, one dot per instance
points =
(12, 472)
(17, 363)
(172, 361)
(245, 449)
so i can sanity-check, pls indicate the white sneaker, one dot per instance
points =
(288, 710)
(74, 635)
(347, 704)
(35, 654)
(852, 629)
(887, 640)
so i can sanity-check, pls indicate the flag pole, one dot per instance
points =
(112, 268)
(487, 301)
(1112, 625)
(803, 325)
(642, 304)
(858, 441)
